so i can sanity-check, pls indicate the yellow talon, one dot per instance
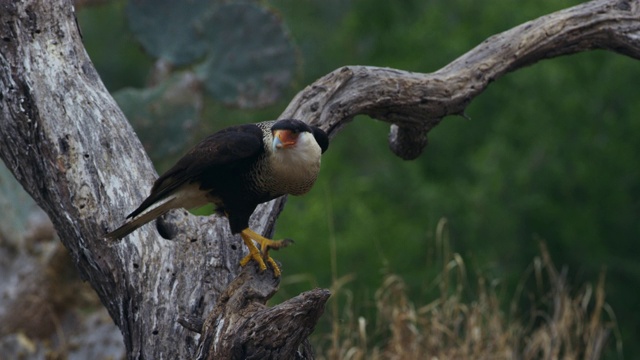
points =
(276, 268)
(262, 255)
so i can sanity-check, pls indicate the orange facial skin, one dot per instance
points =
(287, 138)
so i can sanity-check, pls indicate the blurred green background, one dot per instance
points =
(551, 152)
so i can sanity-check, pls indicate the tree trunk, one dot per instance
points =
(69, 145)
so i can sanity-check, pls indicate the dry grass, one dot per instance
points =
(561, 323)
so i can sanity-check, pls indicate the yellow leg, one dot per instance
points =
(254, 253)
(261, 256)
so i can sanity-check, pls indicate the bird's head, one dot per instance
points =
(296, 134)
(295, 152)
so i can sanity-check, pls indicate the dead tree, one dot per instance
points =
(66, 141)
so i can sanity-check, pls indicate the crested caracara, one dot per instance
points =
(236, 169)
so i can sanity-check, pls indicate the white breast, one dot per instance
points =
(295, 169)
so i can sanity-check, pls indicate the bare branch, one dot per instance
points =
(242, 327)
(415, 103)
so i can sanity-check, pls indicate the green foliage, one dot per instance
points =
(107, 38)
(172, 107)
(251, 59)
(170, 30)
(18, 207)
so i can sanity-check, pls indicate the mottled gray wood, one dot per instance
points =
(64, 138)
(243, 327)
(66, 141)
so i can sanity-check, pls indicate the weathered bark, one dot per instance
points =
(66, 141)
(242, 327)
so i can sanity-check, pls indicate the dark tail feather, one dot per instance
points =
(133, 223)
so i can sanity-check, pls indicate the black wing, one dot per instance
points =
(224, 147)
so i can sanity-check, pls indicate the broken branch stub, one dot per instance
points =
(242, 327)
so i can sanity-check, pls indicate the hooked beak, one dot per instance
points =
(283, 139)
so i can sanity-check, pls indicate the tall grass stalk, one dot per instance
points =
(466, 322)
